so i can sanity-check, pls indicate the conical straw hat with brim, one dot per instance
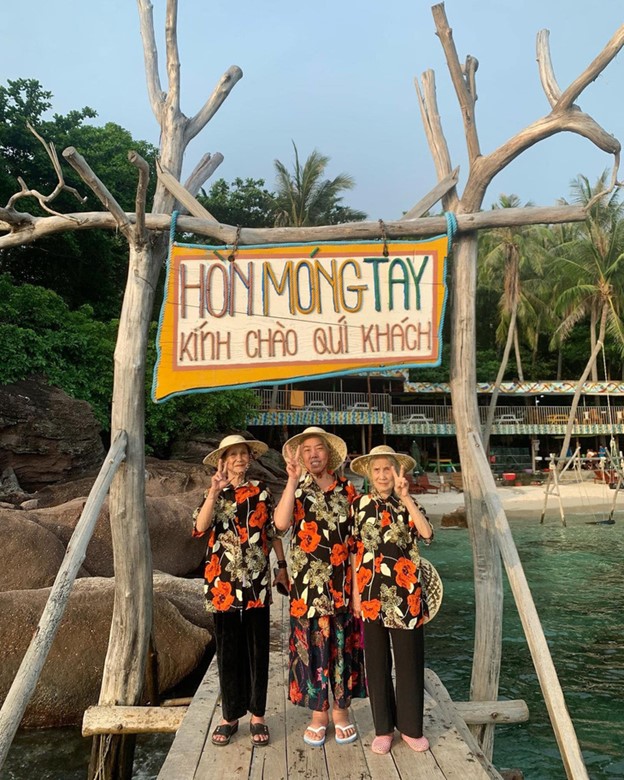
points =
(360, 465)
(336, 446)
(256, 448)
(432, 586)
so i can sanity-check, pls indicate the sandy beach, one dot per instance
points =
(528, 501)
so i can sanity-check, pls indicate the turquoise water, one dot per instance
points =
(575, 574)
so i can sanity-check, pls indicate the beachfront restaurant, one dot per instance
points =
(417, 417)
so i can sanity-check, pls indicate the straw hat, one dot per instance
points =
(432, 587)
(336, 446)
(256, 448)
(360, 465)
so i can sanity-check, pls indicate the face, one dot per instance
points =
(381, 475)
(237, 460)
(315, 455)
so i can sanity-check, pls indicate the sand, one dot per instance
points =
(528, 500)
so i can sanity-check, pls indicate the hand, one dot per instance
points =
(293, 464)
(220, 479)
(401, 485)
(282, 578)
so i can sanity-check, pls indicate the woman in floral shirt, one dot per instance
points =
(325, 646)
(237, 513)
(387, 526)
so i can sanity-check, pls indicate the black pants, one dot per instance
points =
(403, 708)
(242, 639)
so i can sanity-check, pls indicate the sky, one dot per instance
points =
(334, 76)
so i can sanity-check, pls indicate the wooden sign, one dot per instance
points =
(279, 313)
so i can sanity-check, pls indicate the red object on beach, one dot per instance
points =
(509, 477)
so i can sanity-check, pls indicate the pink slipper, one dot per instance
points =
(382, 744)
(419, 744)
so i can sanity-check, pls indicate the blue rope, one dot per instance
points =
(172, 229)
(451, 227)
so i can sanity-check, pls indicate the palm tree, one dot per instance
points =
(511, 256)
(593, 265)
(305, 197)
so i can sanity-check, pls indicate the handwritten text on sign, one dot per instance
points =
(277, 313)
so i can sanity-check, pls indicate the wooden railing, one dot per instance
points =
(433, 414)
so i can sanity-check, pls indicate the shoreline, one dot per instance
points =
(528, 501)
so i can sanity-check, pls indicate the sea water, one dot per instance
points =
(575, 575)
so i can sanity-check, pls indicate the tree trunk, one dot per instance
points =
(517, 353)
(124, 670)
(499, 378)
(487, 562)
(591, 363)
(592, 341)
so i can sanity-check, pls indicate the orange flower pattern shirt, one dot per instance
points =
(320, 545)
(240, 537)
(387, 561)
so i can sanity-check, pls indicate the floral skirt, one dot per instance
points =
(326, 651)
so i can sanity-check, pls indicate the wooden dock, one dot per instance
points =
(453, 754)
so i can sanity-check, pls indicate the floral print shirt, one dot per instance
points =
(320, 546)
(387, 561)
(237, 554)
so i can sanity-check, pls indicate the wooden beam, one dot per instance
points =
(181, 194)
(26, 228)
(26, 678)
(501, 711)
(132, 720)
(540, 653)
(431, 198)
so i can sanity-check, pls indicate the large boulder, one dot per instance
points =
(170, 527)
(46, 436)
(187, 595)
(30, 556)
(71, 678)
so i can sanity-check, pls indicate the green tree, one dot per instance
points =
(509, 256)
(244, 202)
(84, 267)
(305, 197)
(592, 267)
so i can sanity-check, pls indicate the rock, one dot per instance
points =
(30, 556)
(10, 489)
(46, 436)
(170, 526)
(32, 503)
(187, 595)
(71, 677)
(455, 519)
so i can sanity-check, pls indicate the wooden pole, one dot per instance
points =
(27, 676)
(538, 646)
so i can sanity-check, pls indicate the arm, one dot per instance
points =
(284, 510)
(401, 488)
(206, 513)
(356, 598)
(281, 576)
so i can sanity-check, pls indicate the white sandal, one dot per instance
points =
(345, 728)
(315, 742)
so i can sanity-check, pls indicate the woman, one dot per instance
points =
(238, 513)
(325, 647)
(387, 527)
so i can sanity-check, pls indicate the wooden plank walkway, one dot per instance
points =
(454, 753)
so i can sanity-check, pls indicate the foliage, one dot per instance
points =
(39, 334)
(183, 416)
(244, 202)
(81, 266)
(305, 197)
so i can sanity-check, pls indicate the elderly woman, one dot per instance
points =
(237, 513)
(325, 647)
(387, 526)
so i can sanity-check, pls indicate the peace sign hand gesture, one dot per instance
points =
(293, 464)
(220, 478)
(401, 485)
